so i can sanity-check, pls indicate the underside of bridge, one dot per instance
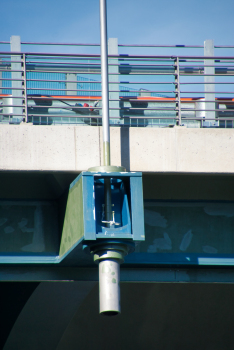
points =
(50, 185)
(56, 307)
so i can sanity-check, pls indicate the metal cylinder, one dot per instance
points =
(110, 253)
(108, 207)
(109, 289)
(105, 87)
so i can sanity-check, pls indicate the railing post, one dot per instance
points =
(25, 89)
(177, 91)
(113, 95)
(17, 88)
(0, 77)
(71, 84)
(209, 80)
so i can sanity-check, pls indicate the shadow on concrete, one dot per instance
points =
(125, 148)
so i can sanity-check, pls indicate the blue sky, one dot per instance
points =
(132, 21)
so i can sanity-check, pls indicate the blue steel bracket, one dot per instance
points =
(127, 202)
(127, 224)
(84, 222)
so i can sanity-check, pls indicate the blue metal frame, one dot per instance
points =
(133, 212)
(132, 227)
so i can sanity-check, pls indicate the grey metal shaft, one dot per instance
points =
(108, 206)
(109, 290)
(105, 89)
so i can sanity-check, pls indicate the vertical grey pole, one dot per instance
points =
(105, 92)
(17, 88)
(25, 89)
(105, 105)
(109, 272)
(109, 294)
(0, 77)
(113, 78)
(177, 80)
(71, 84)
(209, 81)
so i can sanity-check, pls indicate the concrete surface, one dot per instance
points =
(76, 148)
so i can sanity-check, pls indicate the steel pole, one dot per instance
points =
(105, 89)
(109, 279)
(109, 291)
(105, 105)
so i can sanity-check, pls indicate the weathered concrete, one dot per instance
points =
(76, 148)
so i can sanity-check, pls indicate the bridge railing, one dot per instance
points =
(144, 90)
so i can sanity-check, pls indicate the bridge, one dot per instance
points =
(171, 119)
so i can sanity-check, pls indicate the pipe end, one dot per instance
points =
(109, 313)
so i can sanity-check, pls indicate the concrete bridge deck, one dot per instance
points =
(27, 147)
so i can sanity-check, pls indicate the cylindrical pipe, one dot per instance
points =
(110, 254)
(105, 89)
(108, 206)
(109, 289)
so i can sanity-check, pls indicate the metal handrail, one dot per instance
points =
(39, 85)
(120, 45)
